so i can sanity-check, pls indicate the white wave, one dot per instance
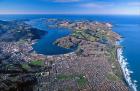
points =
(126, 71)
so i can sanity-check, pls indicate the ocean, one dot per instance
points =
(127, 26)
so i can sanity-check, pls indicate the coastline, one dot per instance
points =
(89, 65)
(86, 50)
(126, 72)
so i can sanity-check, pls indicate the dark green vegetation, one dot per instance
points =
(34, 63)
(112, 77)
(92, 67)
(112, 54)
(102, 38)
(25, 66)
(33, 66)
(37, 63)
(16, 72)
(80, 79)
(89, 35)
(15, 31)
(96, 45)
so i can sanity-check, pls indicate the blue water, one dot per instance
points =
(46, 44)
(131, 44)
(127, 26)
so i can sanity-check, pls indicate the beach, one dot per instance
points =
(92, 65)
(125, 70)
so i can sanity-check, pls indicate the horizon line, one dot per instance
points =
(58, 14)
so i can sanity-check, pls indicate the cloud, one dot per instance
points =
(102, 5)
(63, 1)
(134, 4)
(71, 7)
(96, 5)
(24, 12)
(111, 8)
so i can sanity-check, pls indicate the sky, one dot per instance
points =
(129, 7)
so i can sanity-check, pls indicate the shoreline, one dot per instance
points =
(126, 72)
(88, 68)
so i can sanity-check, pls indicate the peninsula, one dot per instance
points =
(93, 66)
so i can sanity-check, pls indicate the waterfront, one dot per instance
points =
(45, 44)
(130, 43)
(125, 28)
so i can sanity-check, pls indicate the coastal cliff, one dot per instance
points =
(93, 66)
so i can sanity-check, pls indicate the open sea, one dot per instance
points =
(126, 26)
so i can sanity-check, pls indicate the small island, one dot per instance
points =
(92, 66)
